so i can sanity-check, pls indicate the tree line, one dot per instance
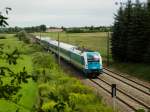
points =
(87, 29)
(131, 31)
(41, 28)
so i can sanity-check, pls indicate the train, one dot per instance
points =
(89, 62)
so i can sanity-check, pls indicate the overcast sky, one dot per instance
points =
(66, 13)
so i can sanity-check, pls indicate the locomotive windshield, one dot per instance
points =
(92, 57)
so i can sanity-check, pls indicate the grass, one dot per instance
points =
(29, 90)
(29, 98)
(98, 42)
(141, 71)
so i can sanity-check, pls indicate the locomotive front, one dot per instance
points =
(93, 64)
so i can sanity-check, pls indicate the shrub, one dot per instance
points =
(78, 88)
(43, 60)
(23, 36)
(79, 98)
(2, 37)
(49, 106)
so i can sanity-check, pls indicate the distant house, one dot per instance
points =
(54, 30)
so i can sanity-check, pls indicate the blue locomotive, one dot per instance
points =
(89, 62)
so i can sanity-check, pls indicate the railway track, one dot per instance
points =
(109, 91)
(141, 87)
(121, 75)
(130, 100)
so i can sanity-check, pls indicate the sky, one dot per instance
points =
(67, 13)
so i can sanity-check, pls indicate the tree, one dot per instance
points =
(137, 40)
(8, 90)
(3, 19)
(148, 4)
(147, 33)
(130, 40)
(118, 49)
(43, 28)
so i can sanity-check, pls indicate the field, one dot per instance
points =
(29, 90)
(98, 42)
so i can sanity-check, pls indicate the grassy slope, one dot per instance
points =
(98, 42)
(141, 71)
(29, 90)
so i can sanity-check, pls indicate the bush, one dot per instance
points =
(78, 88)
(2, 37)
(79, 98)
(23, 36)
(49, 106)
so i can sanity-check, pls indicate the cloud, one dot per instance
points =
(60, 12)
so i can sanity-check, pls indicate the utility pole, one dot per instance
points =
(108, 37)
(58, 50)
(67, 38)
(40, 33)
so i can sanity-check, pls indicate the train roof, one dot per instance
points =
(63, 45)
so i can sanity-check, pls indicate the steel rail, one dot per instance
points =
(127, 78)
(124, 102)
(128, 83)
(133, 98)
